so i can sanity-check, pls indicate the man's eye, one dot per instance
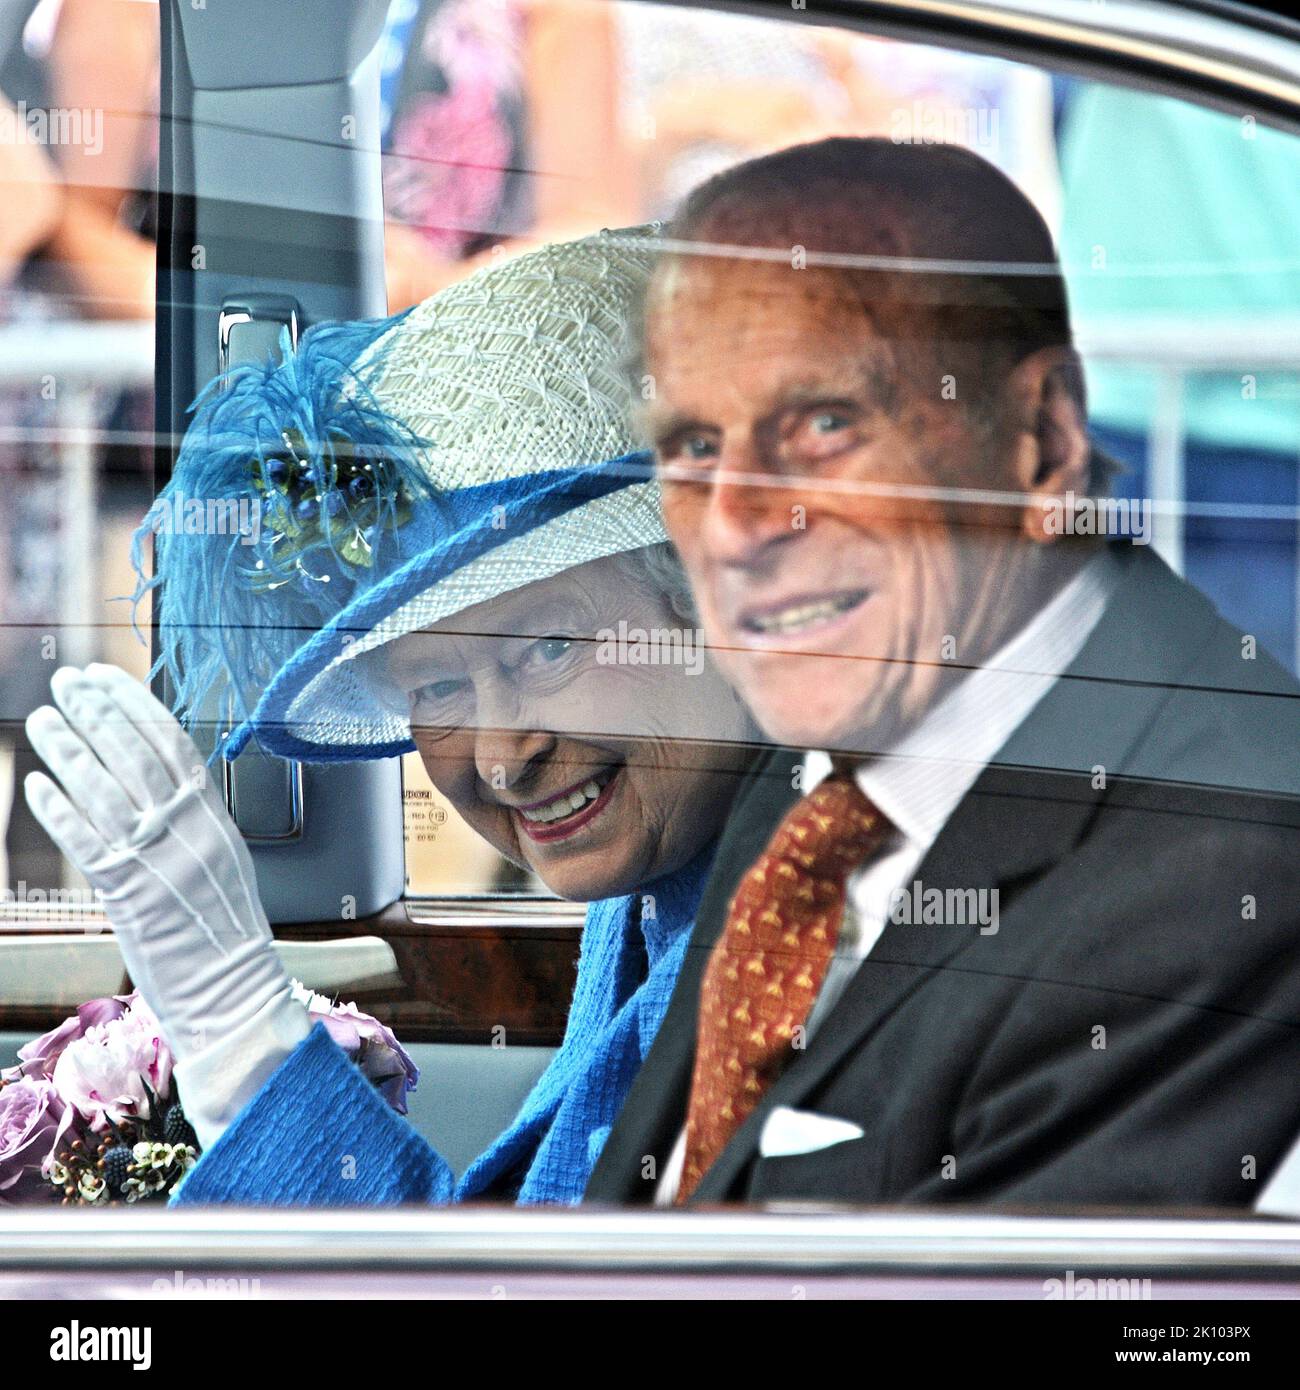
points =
(689, 449)
(822, 433)
(828, 421)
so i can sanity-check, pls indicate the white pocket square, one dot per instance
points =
(786, 1132)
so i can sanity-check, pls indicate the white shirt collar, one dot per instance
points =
(919, 782)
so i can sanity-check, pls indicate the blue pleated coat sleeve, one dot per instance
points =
(318, 1133)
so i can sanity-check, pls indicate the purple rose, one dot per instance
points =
(37, 1058)
(33, 1121)
(371, 1045)
(108, 1073)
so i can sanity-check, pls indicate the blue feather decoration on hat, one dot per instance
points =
(289, 496)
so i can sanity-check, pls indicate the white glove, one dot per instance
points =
(141, 817)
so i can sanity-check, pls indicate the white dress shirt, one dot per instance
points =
(919, 782)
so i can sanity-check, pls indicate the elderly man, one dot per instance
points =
(1013, 915)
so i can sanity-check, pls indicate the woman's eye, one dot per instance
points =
(549, 649)
(438, 690)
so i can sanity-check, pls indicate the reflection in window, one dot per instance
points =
(78, 103)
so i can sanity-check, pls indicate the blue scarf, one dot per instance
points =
(632, 949)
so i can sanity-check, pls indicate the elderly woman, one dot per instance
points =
(457, 535)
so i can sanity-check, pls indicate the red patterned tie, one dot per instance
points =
(767, 968)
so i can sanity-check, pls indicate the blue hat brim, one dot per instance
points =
(444, 535)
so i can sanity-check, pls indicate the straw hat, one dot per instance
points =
(397, 472)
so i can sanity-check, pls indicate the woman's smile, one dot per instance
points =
(562, 815)
(599, 776)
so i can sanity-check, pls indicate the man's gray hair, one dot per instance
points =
(657, 569)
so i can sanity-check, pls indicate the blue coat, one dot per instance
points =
(319, 1134)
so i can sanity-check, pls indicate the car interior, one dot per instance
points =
(238, 172)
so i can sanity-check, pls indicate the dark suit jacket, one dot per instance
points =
(1131, 1033)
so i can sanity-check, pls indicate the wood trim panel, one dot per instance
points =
(469, 970)
(469, 974)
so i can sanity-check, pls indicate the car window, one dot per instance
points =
(661, 98)
(79, 89)
(1184, 326)
(1131, 742)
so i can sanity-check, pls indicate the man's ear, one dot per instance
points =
(1051, 452)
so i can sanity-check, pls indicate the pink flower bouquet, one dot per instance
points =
(89, 1112)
